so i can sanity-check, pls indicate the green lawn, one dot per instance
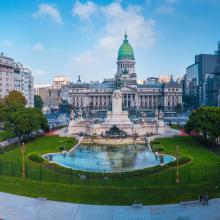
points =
(42, 145)
(200, 155)
(108, 195)
(51, 181)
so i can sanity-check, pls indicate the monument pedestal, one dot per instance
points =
(117, 116)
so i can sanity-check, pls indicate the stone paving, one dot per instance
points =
(13, 207)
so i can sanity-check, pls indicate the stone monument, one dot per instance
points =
(117, 116)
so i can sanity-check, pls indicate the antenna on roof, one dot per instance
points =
(126, 32)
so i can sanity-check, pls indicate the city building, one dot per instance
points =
(213, 85)
(50, 96)
(147, 95)
(39, 87)
(13, 76)
(164, 79)
(196, 76)
(24, 83)
(60, 81)
(7, 65)
(213, 90)
(51, 93)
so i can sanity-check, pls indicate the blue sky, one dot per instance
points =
(73, 38)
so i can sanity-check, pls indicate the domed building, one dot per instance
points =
(151, 94)
(126, 62)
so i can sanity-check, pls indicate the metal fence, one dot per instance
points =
(56, 174)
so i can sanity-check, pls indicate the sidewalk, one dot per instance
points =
(23, 208)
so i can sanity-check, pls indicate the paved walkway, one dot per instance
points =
(14, 207)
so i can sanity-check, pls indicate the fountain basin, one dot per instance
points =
(101, 158)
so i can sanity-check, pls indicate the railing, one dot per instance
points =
(163, 177)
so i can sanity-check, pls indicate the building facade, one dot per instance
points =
(197, 74)
(6, 75)
(213, 89)
(146, 96)
(51, 94)
(13, 76)
(60, 81)
(213, 85)
(24, 83)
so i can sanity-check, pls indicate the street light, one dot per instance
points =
(22, 149)
(177, 164)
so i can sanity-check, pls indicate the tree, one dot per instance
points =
(205, 121)
(22, 121)
(15, 97)
(38, 102)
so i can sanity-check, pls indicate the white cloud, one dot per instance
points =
(38, 47)
(167, 10)
(50, 11)
(102, 56)
(84, 11)
(6, 43)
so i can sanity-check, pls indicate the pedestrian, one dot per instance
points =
(201, 198)
(206, 199)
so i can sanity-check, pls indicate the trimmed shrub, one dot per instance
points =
(36, 158)
(69, 141)
(61, 148)
(182, 160)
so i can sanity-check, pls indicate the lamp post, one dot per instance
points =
(177, 164)
(22, 148)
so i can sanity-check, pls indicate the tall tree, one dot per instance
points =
(205, 121)
(38, 102)
(15, 97)
(22, 121)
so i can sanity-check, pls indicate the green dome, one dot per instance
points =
(125, 51)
